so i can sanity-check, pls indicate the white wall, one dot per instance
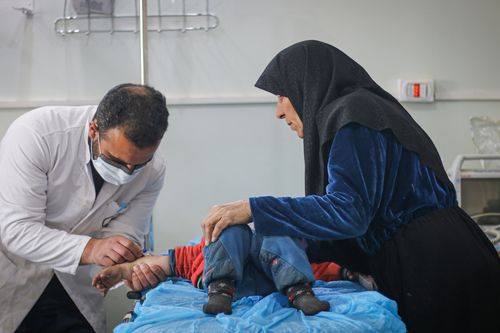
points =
(220, 152)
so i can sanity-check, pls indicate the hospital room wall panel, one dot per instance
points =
(447, 40)
(248, 153)
(224, 142)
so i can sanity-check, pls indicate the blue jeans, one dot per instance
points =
(259, 265)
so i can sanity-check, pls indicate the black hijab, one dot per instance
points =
(330, 90)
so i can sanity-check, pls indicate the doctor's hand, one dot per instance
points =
(145, 276)
(110, 251)
(222, 216)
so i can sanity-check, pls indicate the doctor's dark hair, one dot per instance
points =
(141, 110)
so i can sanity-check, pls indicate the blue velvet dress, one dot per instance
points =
(374, 187)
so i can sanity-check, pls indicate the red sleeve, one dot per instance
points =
(327, 271)
(189, 261)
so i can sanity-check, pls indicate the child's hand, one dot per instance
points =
(107, 278)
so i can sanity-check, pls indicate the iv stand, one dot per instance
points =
(143, 20)
(143, 26)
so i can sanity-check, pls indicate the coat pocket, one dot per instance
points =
(113, 210)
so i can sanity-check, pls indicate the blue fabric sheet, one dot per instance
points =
(176, 306)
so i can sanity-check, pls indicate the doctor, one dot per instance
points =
(77, 187)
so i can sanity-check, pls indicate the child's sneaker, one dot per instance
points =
(301, 297)
(366, 281)
(220, 297)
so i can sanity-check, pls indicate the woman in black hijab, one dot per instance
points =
(378, 200)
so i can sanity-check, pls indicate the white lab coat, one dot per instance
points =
(48, 211)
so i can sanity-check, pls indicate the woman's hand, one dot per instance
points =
(222, 216)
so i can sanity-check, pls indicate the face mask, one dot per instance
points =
(111, 171)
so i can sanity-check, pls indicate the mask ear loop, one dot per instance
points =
(99, 143)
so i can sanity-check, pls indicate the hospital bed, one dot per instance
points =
(176, 306)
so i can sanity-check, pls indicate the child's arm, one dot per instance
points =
(110, 276)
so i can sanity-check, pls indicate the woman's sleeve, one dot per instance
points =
(356, 169)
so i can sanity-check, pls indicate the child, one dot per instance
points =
(240, 263)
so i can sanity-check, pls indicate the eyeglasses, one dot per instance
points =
(123, 166)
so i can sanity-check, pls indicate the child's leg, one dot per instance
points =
(285, 261)
(110, 276)
(225, 260)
